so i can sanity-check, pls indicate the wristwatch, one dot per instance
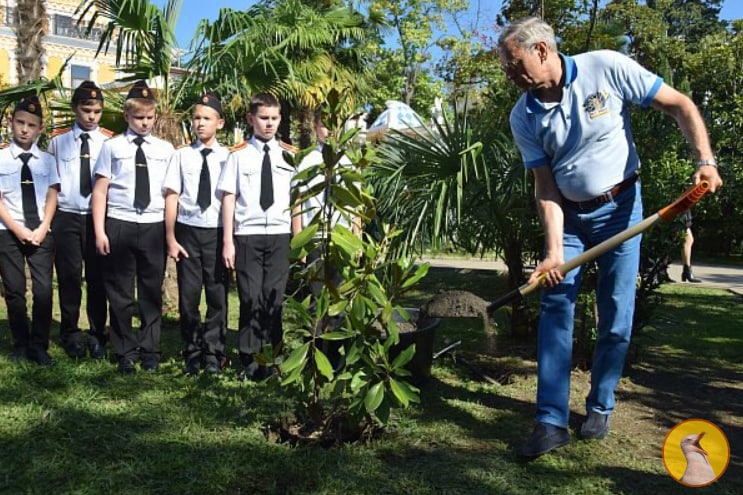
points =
(710, 161)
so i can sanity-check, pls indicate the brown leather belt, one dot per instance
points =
(604, 198)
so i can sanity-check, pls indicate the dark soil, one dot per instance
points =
(455, 304)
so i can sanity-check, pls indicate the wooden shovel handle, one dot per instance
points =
(688, 199)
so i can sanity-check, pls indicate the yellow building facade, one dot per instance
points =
(62, 40)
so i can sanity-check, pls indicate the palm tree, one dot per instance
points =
(443, 186)
(30, 27)
(294, 50)
(422, 177)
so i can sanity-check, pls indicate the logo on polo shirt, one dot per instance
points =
(595, 104)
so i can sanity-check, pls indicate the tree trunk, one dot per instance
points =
(306, 119)
(30, 26)
(168, 127)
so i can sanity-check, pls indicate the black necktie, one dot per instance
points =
(30, 210)
(266, 180)
(85, 187)
(204, 199)
(141, 178)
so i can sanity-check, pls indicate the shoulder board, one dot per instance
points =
(238, 146)
(58, 132)
(288, 147)
(106, 132)
(4, 145)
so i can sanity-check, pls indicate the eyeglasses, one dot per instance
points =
(515, 64)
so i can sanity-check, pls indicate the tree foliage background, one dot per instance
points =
(417, 50)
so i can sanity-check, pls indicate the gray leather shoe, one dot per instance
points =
(596, 426)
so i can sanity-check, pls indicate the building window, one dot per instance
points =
(79, 73)
(9, 16)
(65, 25)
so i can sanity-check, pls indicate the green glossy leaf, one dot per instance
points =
(358, 381)
(346, 241)
(374, 397)
(295, 375)
(323, 364)
(337, 308)
(377, 292)
(305, 236)
(353, 355)
(334, 336)
(420, 272)
(404, 392)
(404, 357)
(297, 358)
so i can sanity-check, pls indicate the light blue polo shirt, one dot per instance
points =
(586, 138)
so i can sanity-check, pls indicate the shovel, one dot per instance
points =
(447, 304)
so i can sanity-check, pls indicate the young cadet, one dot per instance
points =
(193, 232)
(128, 216)
(28, 197)
(316, 205)
(76, 150)
(256, 182)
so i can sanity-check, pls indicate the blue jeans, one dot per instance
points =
(615, 295)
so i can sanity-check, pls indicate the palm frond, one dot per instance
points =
(144, 35)
(288, 48)
(42, 87)
(423, 176)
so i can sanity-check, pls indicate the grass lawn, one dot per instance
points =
(80, 428)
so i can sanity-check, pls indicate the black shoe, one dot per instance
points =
(41, 357)
(192, 367)
(150, 363)
(74, 349)
(250, 372)
(19, 355)
(212, 368)
(596, 426)
(126, 367)
(543, 439)
(688, 276)
(97, 351)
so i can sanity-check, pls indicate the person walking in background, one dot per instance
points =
(257, 220)
(128, 217)
(571, 125)
(75, 150)
(193, 232)
(686, 274)
(28, 197)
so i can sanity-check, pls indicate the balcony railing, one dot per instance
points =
(62, 26)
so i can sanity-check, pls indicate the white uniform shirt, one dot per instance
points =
(43, 171)
(183, 177)
(66, 150)
(116, 163)
(313, 205)
(241, 176)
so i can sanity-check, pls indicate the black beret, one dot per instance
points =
(141, 90)
(211, 100)
(29, 104)
(87, 91)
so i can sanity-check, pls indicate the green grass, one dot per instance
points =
(80, 428)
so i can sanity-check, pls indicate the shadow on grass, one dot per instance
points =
(80, 428)
(691, 366)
